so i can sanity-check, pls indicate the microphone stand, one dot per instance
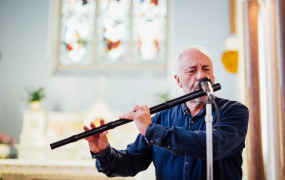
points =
(209, 138)
(119, 122)
(206, 84)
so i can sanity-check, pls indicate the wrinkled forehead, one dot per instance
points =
(195, 57)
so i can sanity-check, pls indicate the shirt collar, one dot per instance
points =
(185, 111)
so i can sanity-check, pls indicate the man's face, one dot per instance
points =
(194, 65)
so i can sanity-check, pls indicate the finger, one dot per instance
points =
(135, 108)
(102, 122)
(129, 115)
(92, 125)
(104, 133)
(139, 108)
(85, 128)
(145, 107)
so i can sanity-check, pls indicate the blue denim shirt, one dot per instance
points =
(176, 143)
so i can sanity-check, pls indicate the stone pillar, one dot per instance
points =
(280, 6)
(255, 156)
(233, 16)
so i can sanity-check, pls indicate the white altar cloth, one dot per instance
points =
(16, 169)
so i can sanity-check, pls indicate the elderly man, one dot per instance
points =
(175, 139)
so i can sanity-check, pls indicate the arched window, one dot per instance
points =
(117, 34)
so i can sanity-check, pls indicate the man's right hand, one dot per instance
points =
(97, 142)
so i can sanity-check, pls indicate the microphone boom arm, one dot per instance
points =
(119, 122)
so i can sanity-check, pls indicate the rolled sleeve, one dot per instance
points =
(102, 158)
(105, 153)
(154, 133)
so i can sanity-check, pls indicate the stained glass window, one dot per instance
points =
(113, 32)
(77, 26)
(127, 33)
(149, 31)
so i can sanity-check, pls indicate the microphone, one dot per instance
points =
(206, 85)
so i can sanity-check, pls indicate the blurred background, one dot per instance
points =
(65, 63)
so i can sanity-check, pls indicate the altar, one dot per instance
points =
(36, 160)
(12, 169)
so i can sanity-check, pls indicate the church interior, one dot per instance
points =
(66, 63)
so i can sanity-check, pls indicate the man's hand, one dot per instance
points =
(141, 116)
(97, 142)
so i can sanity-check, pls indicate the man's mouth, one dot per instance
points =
(195, 89)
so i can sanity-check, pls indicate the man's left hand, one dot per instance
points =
(141, 116)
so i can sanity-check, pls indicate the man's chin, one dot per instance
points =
(197, 101)
(187, 91)
(200, 100)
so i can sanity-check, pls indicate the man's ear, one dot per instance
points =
(177, 78)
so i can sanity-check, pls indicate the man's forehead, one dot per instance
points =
(196, 59)
(192, 53)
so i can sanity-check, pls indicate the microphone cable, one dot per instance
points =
(219, 136)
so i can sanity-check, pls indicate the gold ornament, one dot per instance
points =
(230, 61)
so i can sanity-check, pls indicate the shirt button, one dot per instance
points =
(192, 122)
(186, 163)
(168, 147)
(151, 141)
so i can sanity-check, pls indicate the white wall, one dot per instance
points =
(206, 23)
(23, 40)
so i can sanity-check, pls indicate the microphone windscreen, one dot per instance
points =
(205, 79)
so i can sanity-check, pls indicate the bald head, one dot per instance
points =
(192, 53)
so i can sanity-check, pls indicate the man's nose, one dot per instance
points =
(200, 75)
